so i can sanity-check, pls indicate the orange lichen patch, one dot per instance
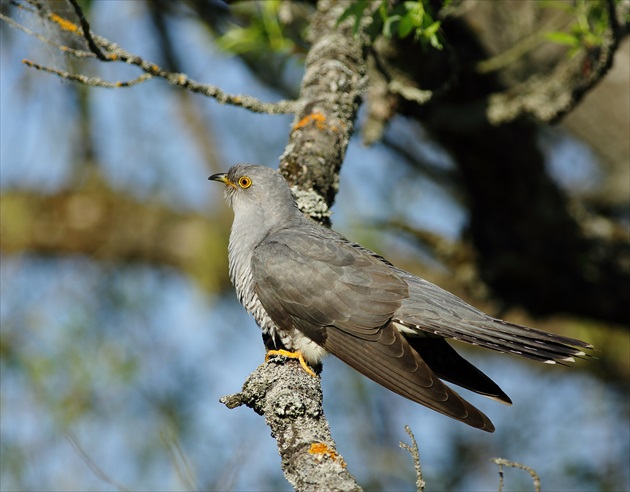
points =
(65, 24)
(112, 56)
(318, 118)
(319, 448)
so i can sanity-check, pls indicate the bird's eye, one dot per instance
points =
(244, 182)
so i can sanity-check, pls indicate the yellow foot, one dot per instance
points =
(292, 355)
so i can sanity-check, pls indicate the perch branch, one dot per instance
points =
(291, 402)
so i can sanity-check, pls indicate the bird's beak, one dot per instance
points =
(222, 178)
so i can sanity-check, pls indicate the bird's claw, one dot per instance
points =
(292, 355)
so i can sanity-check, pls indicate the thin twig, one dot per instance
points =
(90, 81)
(522, 47)
(93, 466)
(18, 5)
(43, 39)
(182, 80)
(415, 455)
(112, 52)
(87, 34)
(179, 459)
(501, 462)
(409, 92)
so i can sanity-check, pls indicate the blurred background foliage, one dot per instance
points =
(120, 329)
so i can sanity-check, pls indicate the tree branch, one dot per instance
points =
(89, 81)
(330, 93)
(291, 402)
(549, 97)
(415, 455)
(43, 39)
(288, 398)
(111, 52)
(501, 462)
(87, 33)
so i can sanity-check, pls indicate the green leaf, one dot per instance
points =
(563, 38)
(396, 19)
(405, 26)
(431, 31)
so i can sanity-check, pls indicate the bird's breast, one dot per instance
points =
(243, 281)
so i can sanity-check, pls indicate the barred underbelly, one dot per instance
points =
(292, 340)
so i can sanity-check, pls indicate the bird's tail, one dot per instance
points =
(434, 311)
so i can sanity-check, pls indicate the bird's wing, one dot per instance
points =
(326, 282)
(447, 364)
(343, 299)
(434, 310)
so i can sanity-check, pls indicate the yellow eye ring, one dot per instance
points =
(244, 182)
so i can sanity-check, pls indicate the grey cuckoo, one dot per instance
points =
(313, 292)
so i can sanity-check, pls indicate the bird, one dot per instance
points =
(313, 293)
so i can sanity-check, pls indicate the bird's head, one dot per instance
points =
(257, 191)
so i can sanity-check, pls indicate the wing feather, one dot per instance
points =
(403, 371)
(327, 283)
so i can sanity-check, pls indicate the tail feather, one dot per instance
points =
(447, 364)
(435, 311)
(505, 337)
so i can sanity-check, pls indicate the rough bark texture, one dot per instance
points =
(291, 402)
(329, 100)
